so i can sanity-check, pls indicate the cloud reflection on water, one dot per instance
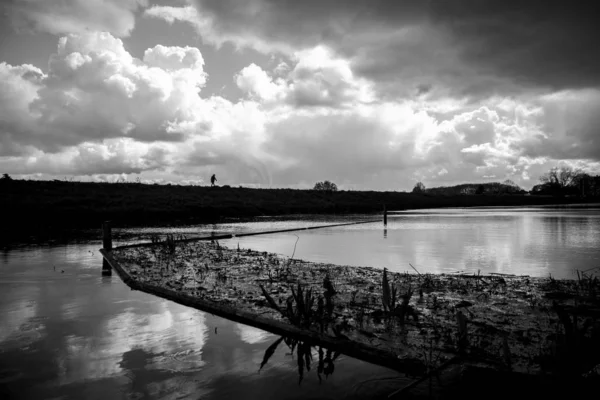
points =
(251, 335)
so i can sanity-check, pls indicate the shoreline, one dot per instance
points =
(48, 209)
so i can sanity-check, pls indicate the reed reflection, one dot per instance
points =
(304, 352)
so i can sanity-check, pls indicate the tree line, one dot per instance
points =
(558, 181)
(567, 181)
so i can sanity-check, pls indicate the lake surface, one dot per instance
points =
(80, 335)
(525, 241)
(68, 332)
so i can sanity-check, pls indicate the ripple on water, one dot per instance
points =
(190, 360)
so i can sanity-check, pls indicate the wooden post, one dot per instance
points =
(384, 215)
(107, 245)
(106, 236)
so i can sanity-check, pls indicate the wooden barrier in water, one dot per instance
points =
(384, 215)
(236, 235)
(106, 246)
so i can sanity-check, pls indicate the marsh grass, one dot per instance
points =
(589, 284)
(303, 352)
(507, 321)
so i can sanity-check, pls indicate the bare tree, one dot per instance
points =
(561, 177)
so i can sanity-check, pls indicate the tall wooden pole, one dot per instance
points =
(107, 245)
(384, 215)
(106, 236)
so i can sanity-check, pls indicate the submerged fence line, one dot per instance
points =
(106, 227)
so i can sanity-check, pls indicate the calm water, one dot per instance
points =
(531, 241)
(79, 335)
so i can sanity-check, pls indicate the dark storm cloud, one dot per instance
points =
(529, 43)
(72, 16)
(306, 22)
(549, 43)
(570, 124)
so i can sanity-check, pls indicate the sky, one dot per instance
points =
(369, 94)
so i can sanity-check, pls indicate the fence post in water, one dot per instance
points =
(106, 236)
(107, 245)
(384, 215)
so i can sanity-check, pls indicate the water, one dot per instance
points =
(80, 335)
(531, 241)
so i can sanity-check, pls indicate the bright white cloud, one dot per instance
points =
(18, 88)
(253, 80)
(98, 109)
(100, 112)
(318, 79)
(95, 90)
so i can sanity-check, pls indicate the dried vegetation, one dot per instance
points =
(512, 323)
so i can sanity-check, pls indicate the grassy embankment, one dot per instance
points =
(33, 205)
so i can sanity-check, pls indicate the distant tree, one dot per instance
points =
(326, 186)
(466, 189)
(560, 181)
(511, 187)
(480, 189)
(419, 188)
(593, 188)
(6, 177)
(586, 185)
(561, 177)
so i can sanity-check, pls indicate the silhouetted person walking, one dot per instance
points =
(213, 179)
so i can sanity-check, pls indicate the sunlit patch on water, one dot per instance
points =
(251, 335)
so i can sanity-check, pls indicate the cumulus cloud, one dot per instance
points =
(18, 88)
(457, 47)
(256, 82)
(95, 89)
(100, 110)
(74, 16)
(318, 79)
(112, 156)
(314, 112)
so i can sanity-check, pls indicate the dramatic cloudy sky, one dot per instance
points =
(371, 94)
